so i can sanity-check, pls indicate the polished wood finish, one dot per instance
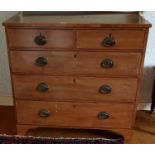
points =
(63, 88)
(124, 20)
(23, 38)
(79, 115)
(76, 63)
(125, 39)
(72, 72)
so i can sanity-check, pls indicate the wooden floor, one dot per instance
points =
(144, 132)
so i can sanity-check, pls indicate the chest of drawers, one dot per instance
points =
(80, 71)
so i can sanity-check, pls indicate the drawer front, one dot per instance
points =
(110, 39)
(76, 63)
(74, 114)
(39, 38)
(74, 88)
(43, 62)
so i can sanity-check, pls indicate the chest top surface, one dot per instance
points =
(77, 20)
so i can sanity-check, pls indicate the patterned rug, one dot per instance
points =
(8, 139)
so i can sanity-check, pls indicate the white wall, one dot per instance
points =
(149, 72)
(146, 88)
(5, 86)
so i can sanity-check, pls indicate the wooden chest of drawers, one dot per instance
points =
(68, 72)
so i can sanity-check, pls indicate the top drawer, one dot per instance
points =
(39, 38)
(110, 39)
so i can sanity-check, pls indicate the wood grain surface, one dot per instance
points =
(125, 39)
(76, 63)
(74, 88)
(75, 114)
(23, 38)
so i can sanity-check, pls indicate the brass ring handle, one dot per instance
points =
(41, 62)
(107, 63)
(109, 41)
(40, 40)
(103, 115)
(44, 113)
(105, 89)
(42, 87)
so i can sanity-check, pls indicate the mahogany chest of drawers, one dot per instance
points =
(76, 71)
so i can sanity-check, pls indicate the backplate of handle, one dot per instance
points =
(109, 41)
(42, 87)
(44, 113)
(103, 115)
(40, 40)
(105, 89)
(107, 63)
(41, 61)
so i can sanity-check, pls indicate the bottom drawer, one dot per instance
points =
(80, 115)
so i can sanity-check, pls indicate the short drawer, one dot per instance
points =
(39, 38)
(66, 114)
(70, 88)
(110, 39)
(76, 63)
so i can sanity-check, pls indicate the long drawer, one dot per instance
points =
(110, 39)
(67, 114)
(74, 88)
(40, 38)
(76, 63)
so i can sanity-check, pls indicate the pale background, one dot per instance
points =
(148, 78)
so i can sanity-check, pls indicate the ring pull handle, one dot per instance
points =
(103, 115)
(40, 40)
(107, 63)
(44, 113)
(105, 89)
(109, 41)
(41, 62)
(42, 87)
